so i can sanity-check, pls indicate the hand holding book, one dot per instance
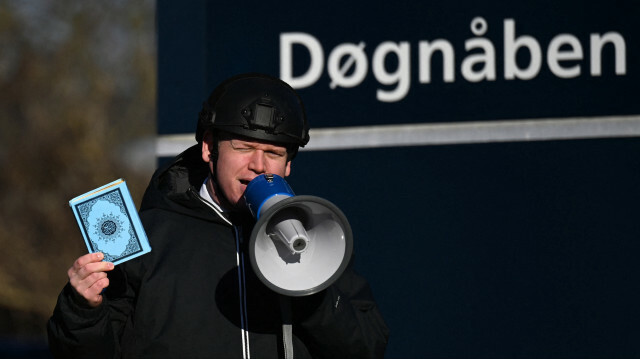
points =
(113, 233)
(88, 277)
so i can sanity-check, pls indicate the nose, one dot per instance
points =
(256, 163)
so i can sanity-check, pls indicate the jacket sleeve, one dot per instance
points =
(77, 331)
(342, 321)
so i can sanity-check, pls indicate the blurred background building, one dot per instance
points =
(77, 109)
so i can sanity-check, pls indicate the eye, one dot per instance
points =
(240, 147)
(276, 153)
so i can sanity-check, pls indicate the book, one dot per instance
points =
(110, 224)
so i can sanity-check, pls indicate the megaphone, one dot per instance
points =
(300, 244)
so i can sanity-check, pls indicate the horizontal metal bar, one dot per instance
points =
(342, 138)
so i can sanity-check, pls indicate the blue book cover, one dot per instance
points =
(109, 222)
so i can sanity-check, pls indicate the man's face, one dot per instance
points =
(239, 161)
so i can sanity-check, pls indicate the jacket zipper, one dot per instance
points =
(246, 353)
(240, 262)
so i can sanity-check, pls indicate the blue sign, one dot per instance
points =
(361, 63)
(482, 247)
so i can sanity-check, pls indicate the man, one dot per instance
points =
(195, 294)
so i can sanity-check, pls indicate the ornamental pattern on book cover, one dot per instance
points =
(109, 227)
(110, 224)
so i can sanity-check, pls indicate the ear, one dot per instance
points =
(287, 169)
(207, 146)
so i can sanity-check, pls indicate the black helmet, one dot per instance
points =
(256, 106)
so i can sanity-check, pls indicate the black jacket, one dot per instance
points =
(195, 295)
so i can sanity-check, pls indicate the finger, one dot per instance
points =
(100, 285)
(91, 287)
(85, 277)
(87, 258)
(89, 274)
(91, 280)
(81, 282)
(88, 264)
(94, 267)
(93, 294)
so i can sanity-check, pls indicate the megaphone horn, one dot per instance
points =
(300, 244)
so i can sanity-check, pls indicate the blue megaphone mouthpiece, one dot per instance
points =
(265, 190)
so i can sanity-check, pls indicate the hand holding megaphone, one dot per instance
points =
(300, 244)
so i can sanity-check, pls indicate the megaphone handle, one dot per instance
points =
(287, 330)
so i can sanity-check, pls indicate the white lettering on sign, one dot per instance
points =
(348, 64)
